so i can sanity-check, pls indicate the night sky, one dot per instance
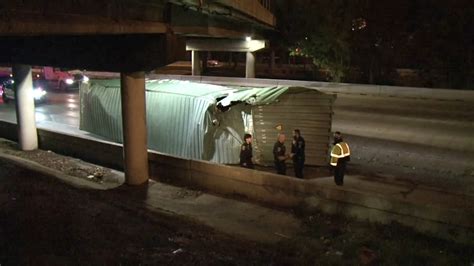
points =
(434, 38)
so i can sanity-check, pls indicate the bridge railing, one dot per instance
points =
(259, 10)
(268, 4)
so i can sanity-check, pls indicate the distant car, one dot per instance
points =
(212, 63)
(3, 79)
(39, 90)
(72, 82)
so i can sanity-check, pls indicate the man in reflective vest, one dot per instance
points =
(340, 155)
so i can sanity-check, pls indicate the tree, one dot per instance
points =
(446, 42)
(377, 37)
(328, 49)
(320, 29)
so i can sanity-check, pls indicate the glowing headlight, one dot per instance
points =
(69, 81)
(85, 79)
(38, 93)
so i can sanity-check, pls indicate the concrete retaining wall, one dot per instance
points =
(268, 188)
(99, 152)
(376, 90)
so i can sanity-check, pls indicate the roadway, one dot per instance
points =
(419, 140)
(61, 107)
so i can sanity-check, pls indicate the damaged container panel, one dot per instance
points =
(299, 108)
(207, 122)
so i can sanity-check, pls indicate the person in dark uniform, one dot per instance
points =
(340, 155)
(279, 154)
(246, 152)
(297, 153)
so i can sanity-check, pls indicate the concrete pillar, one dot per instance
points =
(132, 86)
(25, 108)
(272, 61)
(250, 65)
(204, 58)
(196, 63)
(230, 58)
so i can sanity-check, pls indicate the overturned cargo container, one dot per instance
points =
(207, 122)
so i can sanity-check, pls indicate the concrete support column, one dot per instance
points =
(196, 63)
(204, 58)
(230, 58)
(272, 61)
(250, 65)
(132, 86)
(25, 108)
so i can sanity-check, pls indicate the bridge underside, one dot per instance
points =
(120, 53)
(126, 36)
(104, 36)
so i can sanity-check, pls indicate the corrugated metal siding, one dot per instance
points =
(179, 119)
(101, 111)
(310, 111)
(226, 137)
(227, 147)
(178, 124)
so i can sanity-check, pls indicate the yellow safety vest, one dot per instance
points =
(340, 150)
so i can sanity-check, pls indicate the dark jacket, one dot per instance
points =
(246, 155)
(297, 148)
(279, 149)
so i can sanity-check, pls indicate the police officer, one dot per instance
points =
(297, 153)
(279, 154)
(340, 155)
(246, 152)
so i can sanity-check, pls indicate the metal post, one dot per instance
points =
(134, 127)
(25, 108)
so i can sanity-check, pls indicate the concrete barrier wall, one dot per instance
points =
(99, 152)
(376, 90)
(277, 190)
(8, 131)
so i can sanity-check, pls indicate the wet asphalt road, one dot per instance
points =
(424, 141)
(60, 107)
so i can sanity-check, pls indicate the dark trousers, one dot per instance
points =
(280, 166)
(248, 165)
(298, 165)
(339, 171)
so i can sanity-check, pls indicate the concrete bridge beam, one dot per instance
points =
(226, 45)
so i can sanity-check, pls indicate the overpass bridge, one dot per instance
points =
(126, 36)
(122, 35)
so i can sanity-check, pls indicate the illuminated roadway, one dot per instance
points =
(417, 139)
(60, 108)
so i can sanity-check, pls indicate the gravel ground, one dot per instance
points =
(67, 165)
(45, 222)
